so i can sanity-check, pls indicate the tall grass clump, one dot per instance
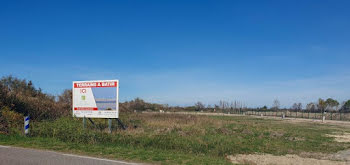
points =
(68, 129)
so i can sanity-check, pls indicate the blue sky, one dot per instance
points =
(180, 52)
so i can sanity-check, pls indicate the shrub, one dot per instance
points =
(22, 97)
(11, 121)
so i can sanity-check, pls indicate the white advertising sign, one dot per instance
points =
(96, 99)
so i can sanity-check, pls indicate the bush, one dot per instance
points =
(11, 121)
(22, 97)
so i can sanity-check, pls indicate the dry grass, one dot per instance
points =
(340, 137)
(178, 138)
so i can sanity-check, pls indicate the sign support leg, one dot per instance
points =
(84, 123)
(92, 122)
(110, 125)
(120, 123)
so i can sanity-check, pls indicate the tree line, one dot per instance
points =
(21, 96)
(320, 105)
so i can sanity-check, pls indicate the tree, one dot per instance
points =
(331, 104)
(199, 106)
(137, 104)
(65, 102)
(223, 104)
(321, 105)
(276, 104)
(346, 106)
(209, 106)
(295, 106)
(311, 107)
(300, 106)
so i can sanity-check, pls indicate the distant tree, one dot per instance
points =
(65, 97)
(331, 104)
(223, 104)
(300, 106)
(65, 102)
(137, 104)
(233, 106)
(165, 107)
(321, 105)
(216, 106)
(199, 106)
(295, 106)
(346, 106)
(311, 107)
(276, 104)
(209, 106)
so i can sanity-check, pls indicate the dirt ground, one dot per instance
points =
(268, 159)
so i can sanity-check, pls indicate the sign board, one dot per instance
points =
(96, 99)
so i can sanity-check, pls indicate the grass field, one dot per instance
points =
(183, 139)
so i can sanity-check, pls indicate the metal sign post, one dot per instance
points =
(84, 123)
(110, 125)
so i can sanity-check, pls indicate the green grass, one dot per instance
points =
(112, 151)
(181, 139)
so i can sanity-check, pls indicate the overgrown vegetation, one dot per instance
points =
(174, 139)
(22, 97)
(165, 138)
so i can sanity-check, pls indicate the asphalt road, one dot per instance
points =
(18, 156)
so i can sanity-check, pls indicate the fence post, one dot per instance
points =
(302, 114)
(26, 125)
(315, 115)
(331, 115)
(323, 116)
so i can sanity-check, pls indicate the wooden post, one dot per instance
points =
(302, 114)
(331, 115)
